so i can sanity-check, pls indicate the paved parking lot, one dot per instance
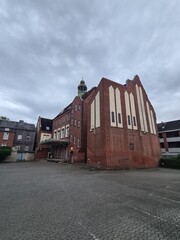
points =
(54, 201)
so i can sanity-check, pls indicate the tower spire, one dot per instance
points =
(82, 88)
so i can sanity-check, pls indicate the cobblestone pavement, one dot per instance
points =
(57, 201)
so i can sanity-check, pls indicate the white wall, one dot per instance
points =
(45, 136)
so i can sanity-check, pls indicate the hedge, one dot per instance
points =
(170, 162)
(4, 152)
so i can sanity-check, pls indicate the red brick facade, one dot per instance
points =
(111, 126)
(10, 139)
(120, 147)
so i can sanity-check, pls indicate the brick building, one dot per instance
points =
(69, 130)
(121, 127)
(43, 132)
(20, 136)
(17, 134)
(112, 125)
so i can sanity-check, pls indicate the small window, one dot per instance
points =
(131, 146)
(75, 108)
(67, 118)
(134, 121)
(79, 107)
(112, 115)
(119, 118)
(75, 123)
(67, 131)
(59, 134)
(28, 138)
(62, 133)
(47, 128)
(78, 143)
(19, 137)
(5, 136)
(26, 148)
(129, 120)
(7, 129)
(79, 124)
(74, 141)
(71, 138)
(55, 135)
(18, 148)
(71, 122)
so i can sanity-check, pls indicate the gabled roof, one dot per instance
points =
(46, 124)
(21, 125)
(66, 109)
(85, 95)
(168, 126)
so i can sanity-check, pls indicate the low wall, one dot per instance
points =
(23, 156)
(12, 157)
(26, 156)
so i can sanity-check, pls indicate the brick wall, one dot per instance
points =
(114, 147)
(10, 140)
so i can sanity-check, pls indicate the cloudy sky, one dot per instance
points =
(47, 46)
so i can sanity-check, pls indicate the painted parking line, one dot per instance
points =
(151, 215)
(88, 232)
(170, 200)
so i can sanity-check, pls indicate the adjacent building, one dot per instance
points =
(111, 126)
(43, 133)
(20, 136)
(169, 137)
(68, 141)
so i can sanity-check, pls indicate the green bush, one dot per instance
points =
(170, 162)
(4, 152)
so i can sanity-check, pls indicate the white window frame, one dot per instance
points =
(26, 148)
(59, 134)
(62, 132)
(67, 131)
(78, 143)
(19, 137)
(28, 138)
(5, 136)
(55, 135)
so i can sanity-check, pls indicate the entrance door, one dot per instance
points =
(20, 157)
(72, 157)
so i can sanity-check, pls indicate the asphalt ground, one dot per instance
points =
(44, 200)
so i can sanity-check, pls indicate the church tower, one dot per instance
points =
(82, 88)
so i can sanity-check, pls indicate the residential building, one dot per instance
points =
(43, 133)
(20, 136)
(169, 137)
(111, 126)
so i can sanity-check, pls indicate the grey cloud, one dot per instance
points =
(47, 46)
